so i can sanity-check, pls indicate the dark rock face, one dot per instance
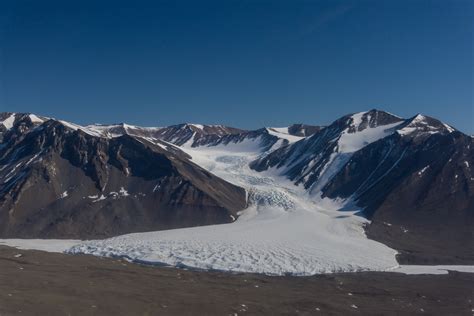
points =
(303, 130)
(61, 183)
(416, 185)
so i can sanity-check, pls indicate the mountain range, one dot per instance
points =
(412, 178)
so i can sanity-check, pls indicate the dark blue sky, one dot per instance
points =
(242, 63)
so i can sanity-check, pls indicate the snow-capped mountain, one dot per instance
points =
(410, 175)
(195, 135)
(412, 178)
(58, 181)
(22, 122)
(313, 160)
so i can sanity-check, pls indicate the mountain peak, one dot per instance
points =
(425, 125)
(360, 121)
(18, 123)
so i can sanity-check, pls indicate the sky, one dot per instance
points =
(241, 63)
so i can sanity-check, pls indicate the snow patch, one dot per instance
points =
(101, 198)
(9, 121)
(198, 126)
(438, 269)
(282, 132)
(123, 192)
(423, 170)
(449, 128)
(35, 119)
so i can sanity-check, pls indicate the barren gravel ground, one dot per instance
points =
(40, 283)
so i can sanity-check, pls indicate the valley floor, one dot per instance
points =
(41, 283)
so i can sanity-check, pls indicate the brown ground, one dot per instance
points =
(40, 283)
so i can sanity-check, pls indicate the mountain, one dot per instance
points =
(180, 134)
(63, 180)
(412, 177)
(196, 135)
(58, 181)
(21, 122)
(307, 162)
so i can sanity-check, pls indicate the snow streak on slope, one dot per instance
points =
(282, 232)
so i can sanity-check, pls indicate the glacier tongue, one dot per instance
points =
(266, 240)
(282, 232)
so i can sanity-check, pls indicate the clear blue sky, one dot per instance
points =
(242, 63)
